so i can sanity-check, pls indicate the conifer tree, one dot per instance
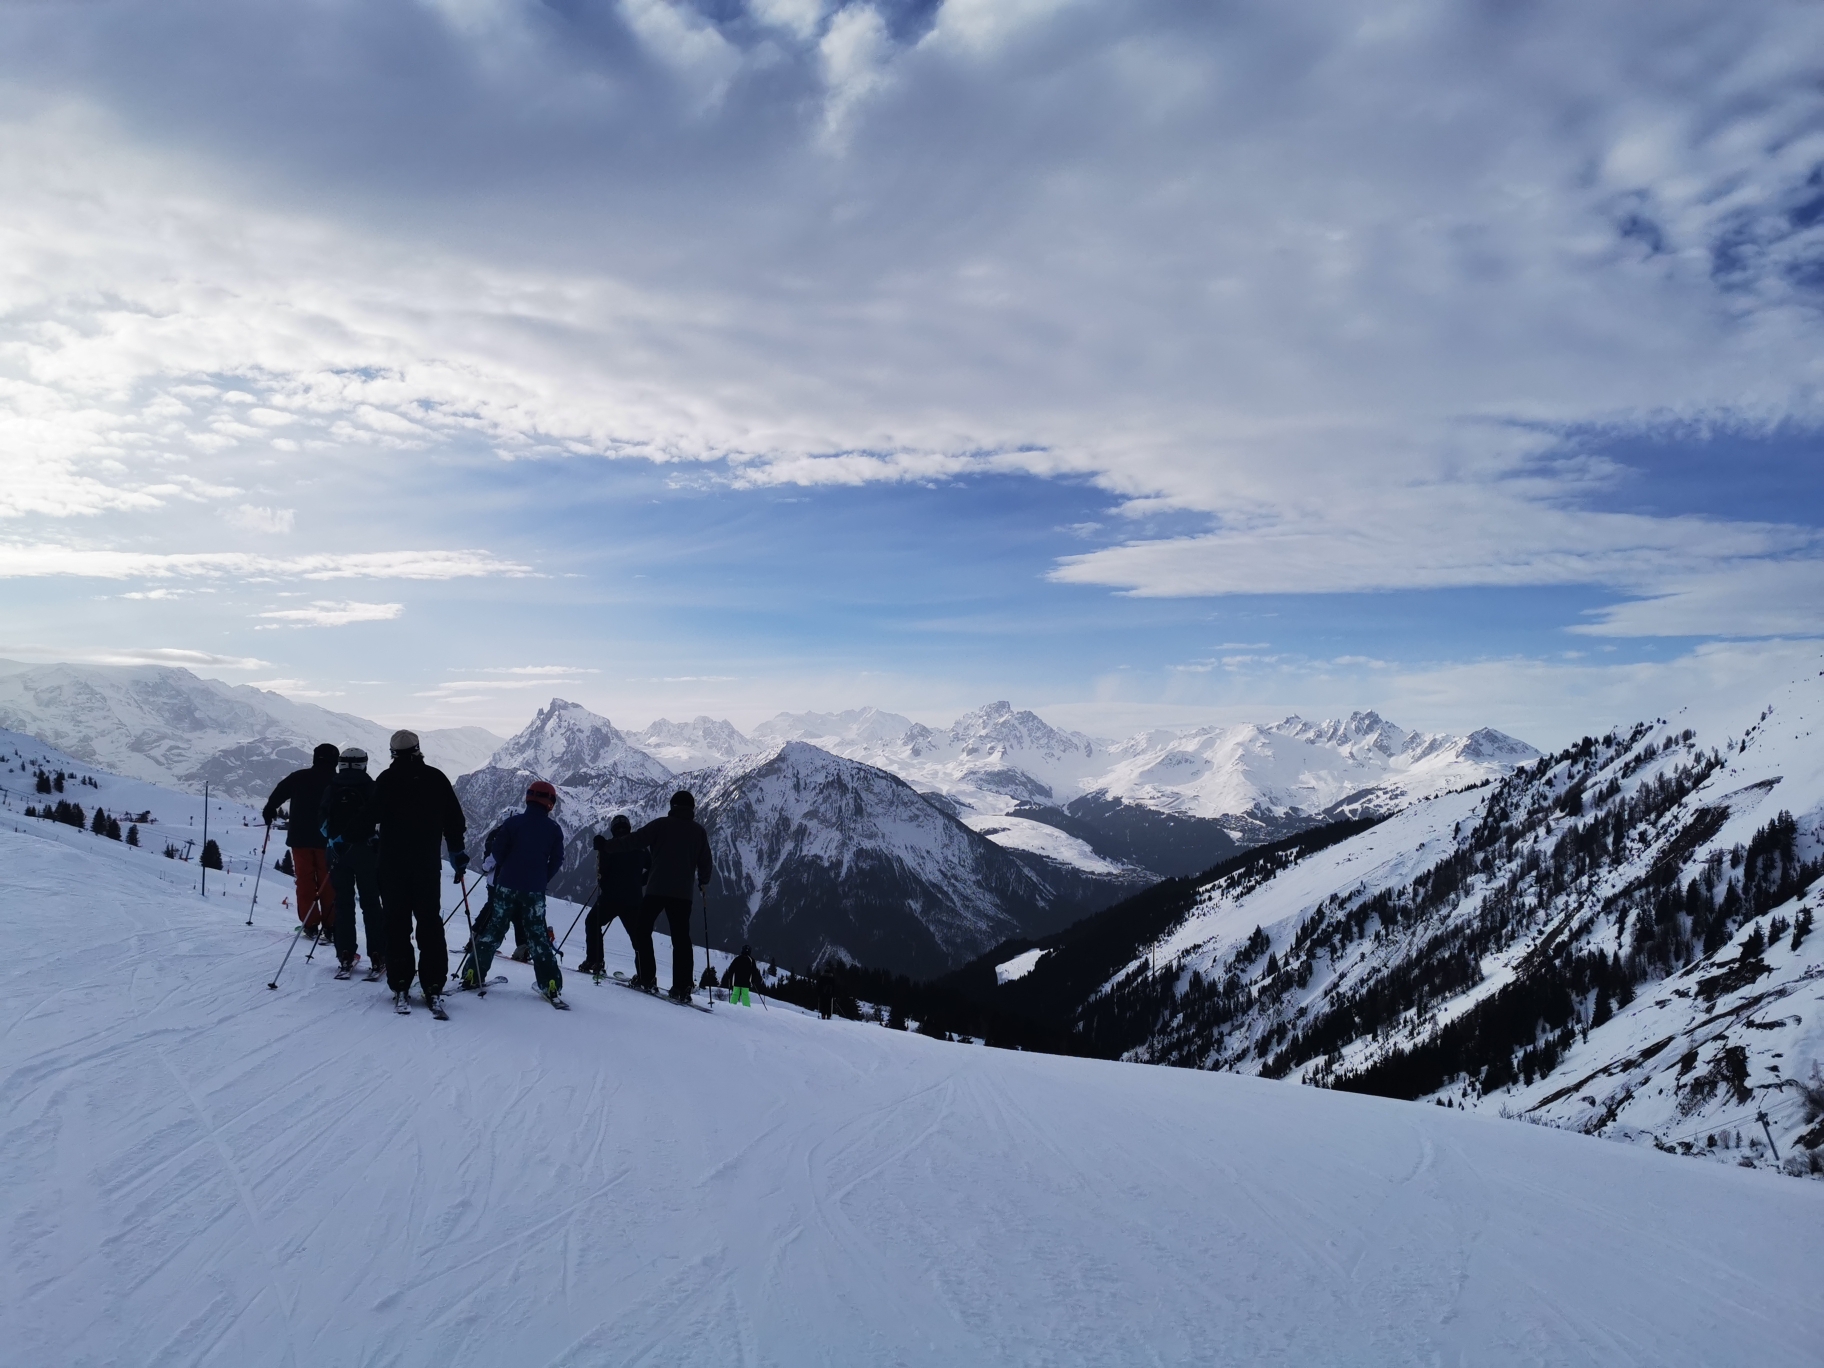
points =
(113, 829)
(212, 854)
(133, 835)
(100, 825)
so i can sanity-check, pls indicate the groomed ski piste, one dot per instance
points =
(200, 1170)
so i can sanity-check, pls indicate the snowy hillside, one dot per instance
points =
(205, 1172)
(167, 726)
(1615, 940)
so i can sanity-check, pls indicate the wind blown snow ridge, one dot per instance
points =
(189, 1182)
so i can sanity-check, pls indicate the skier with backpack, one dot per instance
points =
(621, 868)
(528, 851)
(681, 865)
(742, 977)
(347, 823)
(303, 790)
(415, 810)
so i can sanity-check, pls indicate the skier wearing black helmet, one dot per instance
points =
(303, 789)
(415, 812)
(347, 823)
(681, 865)
(621, 868)
(528, 850)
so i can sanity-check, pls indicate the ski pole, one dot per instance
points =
(287, 959)
(256, 874)
(573, 921)
(481, 986)
(316, 903)
(708, 963)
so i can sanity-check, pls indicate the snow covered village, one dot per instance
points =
(911, 682)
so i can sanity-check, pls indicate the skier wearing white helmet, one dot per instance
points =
(415, 811)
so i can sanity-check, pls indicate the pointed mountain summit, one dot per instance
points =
(594, 767)
(571, 746)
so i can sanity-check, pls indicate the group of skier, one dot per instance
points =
(377, 841)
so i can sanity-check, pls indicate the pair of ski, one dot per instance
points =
(555, 999)
(626, 982)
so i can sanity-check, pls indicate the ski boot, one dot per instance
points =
(435, 1002)
(401, 1005)
(346, 969)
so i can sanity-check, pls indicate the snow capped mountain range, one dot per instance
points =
(1616, 939)
(165, 725)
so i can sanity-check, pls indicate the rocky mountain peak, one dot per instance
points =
(565, 742)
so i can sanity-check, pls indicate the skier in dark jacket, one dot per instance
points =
(346, 819)
(681, 864)
(415, 812)
(826, 992)
(741, 977)
(621, 868)
(528, 850)
(303, 789)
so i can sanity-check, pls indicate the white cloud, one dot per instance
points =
(25, 562)
(157, 655)
(324, 613)
(1222, 261)
(545, 670)
(257, 519)
(1760, 599)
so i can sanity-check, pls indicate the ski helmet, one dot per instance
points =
(620, 826)
(324, 754)
(541, 793)
(684, 801)
(403, 742)
(354, 758)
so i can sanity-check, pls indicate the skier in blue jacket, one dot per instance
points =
(528, 851)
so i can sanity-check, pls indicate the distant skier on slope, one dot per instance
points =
(415, 810)
(528, 851)
(303, 789)
(741, 977)
(346, 819)
(621, 868)
(680, 850)
(826, 991)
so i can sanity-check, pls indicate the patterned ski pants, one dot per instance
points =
(505, 906)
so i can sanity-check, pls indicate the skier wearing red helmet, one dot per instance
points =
(528, 850)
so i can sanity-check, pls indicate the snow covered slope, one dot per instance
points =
(204, 1172)
(167, 726)
(1617, 940)
(164, 816)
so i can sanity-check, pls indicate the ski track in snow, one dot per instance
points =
(202, 1171)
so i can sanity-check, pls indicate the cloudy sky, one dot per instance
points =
(1141, 363)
